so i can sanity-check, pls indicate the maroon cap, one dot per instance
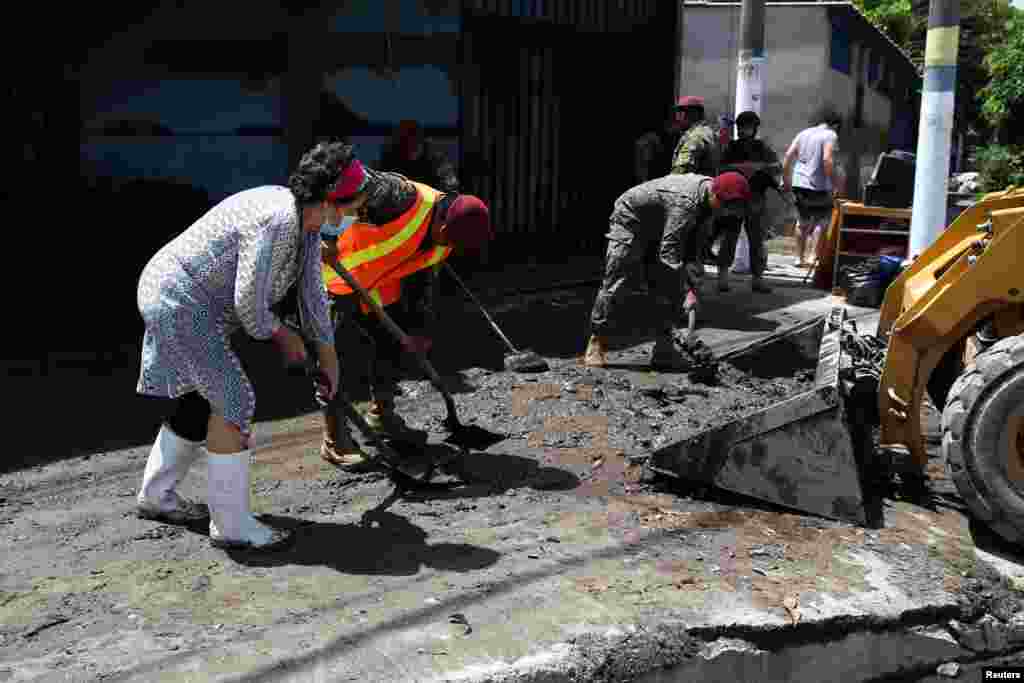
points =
(731, 186)
(689, 101)
(468, 223)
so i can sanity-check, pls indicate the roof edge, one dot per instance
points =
(838, 4)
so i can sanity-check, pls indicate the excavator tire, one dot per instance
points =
(983, 437)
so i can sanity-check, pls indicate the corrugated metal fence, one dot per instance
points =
(554, 93)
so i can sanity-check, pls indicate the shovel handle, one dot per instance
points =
(402, 338)
(494, 325)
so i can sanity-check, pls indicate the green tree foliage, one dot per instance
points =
(983, 31)
(1003, 97)
(1000, 166)
(894, 17)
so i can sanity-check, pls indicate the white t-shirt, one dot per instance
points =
(809, 170)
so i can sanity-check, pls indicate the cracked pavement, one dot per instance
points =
(551, 559)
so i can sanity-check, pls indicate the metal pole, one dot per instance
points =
(750, 66)
(928, 217)
(749, 86)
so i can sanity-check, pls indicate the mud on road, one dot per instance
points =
(89, 591)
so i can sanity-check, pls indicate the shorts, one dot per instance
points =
(813, 205)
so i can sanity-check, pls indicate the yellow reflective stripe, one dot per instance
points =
(394, 242)
(327, 274)
(437, 256)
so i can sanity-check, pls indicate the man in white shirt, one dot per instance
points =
(811, 173)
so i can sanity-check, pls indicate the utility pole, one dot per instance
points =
(750, 67)
(935, 130)
(749, 89)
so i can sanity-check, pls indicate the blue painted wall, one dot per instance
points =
(204, 115)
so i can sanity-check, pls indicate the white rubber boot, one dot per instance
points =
(232, 524)
(169, 461)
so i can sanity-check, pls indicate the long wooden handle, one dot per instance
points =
(402, 337)
(374, 306)
(480, 306)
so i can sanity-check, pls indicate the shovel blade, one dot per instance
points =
(798, 453)
(526, 361)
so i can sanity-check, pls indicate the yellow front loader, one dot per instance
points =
(952, 328)
(954, 321)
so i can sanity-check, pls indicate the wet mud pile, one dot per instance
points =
(632, 411)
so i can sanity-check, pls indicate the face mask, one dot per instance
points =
(334, 230)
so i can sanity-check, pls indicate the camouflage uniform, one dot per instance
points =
(696, 151)
(662, 215)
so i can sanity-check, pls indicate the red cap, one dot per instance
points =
(468, 223)
(731, 186)
(689, 101)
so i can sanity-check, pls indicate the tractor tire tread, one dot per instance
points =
(1002, 358)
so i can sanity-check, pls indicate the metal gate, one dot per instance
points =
(549, 117)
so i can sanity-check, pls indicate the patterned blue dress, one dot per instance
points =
(224, 273)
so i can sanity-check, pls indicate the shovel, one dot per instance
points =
(463, 436)
(515, 360)
(388, 458)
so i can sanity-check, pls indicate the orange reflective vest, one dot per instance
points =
(379, 256)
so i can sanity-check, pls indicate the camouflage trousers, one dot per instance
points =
(628, 265)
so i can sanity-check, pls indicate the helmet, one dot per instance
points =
(748, 118)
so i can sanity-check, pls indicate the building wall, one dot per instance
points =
(802, 51)
(393, 60)
(860, 141)
(227, 110)
(796, 48)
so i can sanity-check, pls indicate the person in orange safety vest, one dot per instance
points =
(402, 228)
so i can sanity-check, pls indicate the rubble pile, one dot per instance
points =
(640, 410)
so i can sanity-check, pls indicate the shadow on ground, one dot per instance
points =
(389, 544)
(470, 475)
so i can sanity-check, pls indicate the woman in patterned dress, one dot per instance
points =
(224, 273)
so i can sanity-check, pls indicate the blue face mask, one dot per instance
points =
(334, 230)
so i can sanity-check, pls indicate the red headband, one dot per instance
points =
(351, 182)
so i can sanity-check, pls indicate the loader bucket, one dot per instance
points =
(798, 453)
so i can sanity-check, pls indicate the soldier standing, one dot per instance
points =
(696, 152)
(759, 163)
(697, 149)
